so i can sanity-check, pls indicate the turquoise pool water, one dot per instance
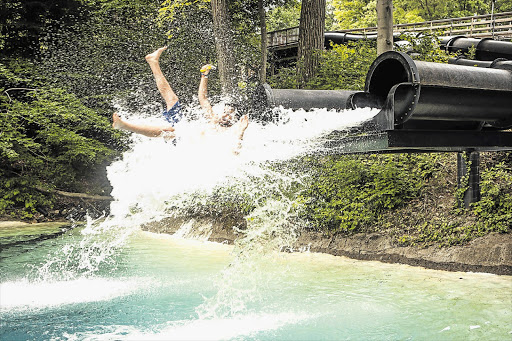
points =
(157, 287)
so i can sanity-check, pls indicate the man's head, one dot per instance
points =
(226, 116)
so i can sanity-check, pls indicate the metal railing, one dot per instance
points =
(498, 26)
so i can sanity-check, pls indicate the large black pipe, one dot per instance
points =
(469, 62)
(417, 95)
(499, 63)
(485, 49)
(424, 95)
(344, 38)
(304, 99)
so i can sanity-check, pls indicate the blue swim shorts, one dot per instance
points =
(175, 114)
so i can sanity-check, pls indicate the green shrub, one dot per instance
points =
(48, 139)
(342, 67)
(494, 210)
(349, 193)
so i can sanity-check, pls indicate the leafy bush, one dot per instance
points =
(349, 193)
(425, 48)
(48, 139)
(494, 209)
(493, 213)
(342, 67)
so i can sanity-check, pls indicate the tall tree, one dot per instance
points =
(263, 28)
(384, 26)
(311, 38)
(224, 45)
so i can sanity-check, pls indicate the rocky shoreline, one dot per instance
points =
(490, 254)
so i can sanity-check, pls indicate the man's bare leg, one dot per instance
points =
(163, 86)
(150, 131)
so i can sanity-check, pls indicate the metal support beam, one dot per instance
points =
(468, 177)
(417, 141)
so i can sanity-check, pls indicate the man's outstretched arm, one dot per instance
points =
(203, 92)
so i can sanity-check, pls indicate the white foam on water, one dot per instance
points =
(24, 294)
(202, 329)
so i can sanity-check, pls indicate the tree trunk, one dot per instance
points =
(311, 38)
(224, 46)
(263, 28)
(384, 26)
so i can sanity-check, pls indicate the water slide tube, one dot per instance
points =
(416, 95)
(501, 63)
(303, 99)
(435, 96)
(485, 49)
(343, 38)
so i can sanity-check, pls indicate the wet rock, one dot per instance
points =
(491, 253)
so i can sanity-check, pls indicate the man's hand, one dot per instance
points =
(205, 70)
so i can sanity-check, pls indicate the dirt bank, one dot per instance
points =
(491, 253)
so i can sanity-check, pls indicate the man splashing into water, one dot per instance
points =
(218, 123)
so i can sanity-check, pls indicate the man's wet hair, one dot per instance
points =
(233, 105)
(240, 108)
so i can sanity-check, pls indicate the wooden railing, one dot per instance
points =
(497, 26)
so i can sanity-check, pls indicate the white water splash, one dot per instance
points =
(236, 327)
(24, 294)
(153, 170)
(155, 177)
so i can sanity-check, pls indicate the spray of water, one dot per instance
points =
(156, 178)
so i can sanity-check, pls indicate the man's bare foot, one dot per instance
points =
(117, 122)
(154, 56)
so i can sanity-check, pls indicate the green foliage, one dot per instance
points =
(54, 127)
(362, 13)
(23, 23)
(439, 9)
(350, 193)
(443, 234)
(425, 48)
(404, 16)
(447, 233)
(493, 213)
(63, 63)
(494, 210)
(355, 13)
(283, 17)
(342, 67)
(48, 139)
(19, 196)
(171, 10)
(223, 200)
(101, 57)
